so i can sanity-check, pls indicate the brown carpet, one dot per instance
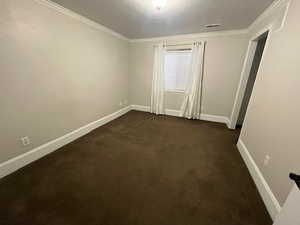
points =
(138, 170)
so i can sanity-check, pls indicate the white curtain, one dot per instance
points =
(158, 86)
(191, 106)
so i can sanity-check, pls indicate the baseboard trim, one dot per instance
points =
(20, 161)
(140, 108)
(213, 118)
(264, 189)
(171, 112)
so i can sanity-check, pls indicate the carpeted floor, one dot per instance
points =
(138, 170)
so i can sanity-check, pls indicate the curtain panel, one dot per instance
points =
(158, 82)
(191, 106)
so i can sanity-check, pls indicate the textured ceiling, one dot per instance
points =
(139, 19)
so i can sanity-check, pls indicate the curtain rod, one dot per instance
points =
(176, 45)
(182, 44)
(179, 50)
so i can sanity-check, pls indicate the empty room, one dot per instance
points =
(149, 112)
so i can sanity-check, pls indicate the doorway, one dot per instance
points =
(252, 63)
(261, 42)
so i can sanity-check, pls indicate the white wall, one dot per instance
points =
(224, 56)
(57, 74)
(272, 121)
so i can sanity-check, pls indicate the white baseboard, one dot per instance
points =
(140, 108)
(213, 118)
(264, 189)
(171, 112)
(20, 161)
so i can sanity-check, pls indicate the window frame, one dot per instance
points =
(176, 51)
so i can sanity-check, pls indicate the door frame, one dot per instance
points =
(289, 213)
(246, 73)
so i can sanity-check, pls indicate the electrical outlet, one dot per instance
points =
(125, 102)
(25, 141)
(121, 103)
(267, 160)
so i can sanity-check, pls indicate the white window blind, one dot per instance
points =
(176, 70)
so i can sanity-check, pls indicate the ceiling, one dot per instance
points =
(139, 19)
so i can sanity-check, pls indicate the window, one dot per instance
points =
(176, 69)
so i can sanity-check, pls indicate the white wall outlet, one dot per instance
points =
(267, 160)
(121, 103)
(25, 141)
(125, 102)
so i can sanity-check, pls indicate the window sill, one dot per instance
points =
(175, 91)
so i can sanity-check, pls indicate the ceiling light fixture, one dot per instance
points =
(159, 4)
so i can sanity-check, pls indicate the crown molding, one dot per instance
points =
(275, 5)
(80, 18)
(193, 36)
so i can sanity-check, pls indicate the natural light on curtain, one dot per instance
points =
(191, 106)
(178, 71)
(158, 84)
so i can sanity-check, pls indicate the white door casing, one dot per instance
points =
(289, 214)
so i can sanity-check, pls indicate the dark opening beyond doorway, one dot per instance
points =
(261, 42)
